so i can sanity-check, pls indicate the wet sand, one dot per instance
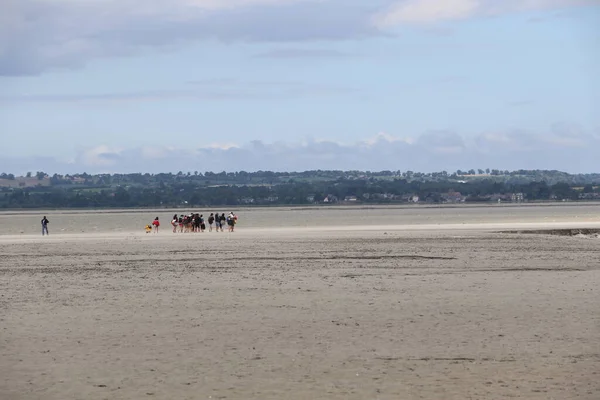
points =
(450, 309)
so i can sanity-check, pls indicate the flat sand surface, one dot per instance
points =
(302, 304)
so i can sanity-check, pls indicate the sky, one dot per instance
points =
(117, 86)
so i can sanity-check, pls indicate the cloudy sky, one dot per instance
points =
(211, 85)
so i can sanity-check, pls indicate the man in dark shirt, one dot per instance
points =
(45, 225)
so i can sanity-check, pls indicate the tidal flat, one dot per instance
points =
(313, 303)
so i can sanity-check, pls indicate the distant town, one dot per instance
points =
(264, 188)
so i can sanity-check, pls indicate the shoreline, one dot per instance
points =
(283, 207)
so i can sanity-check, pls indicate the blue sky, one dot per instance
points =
(169, 85)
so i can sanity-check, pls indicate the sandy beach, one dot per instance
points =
(382, 303)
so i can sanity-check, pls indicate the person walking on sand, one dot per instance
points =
(223, 220)
(45, 226)
(156, 224)
(217, 222)
(211, 220)
(202, 223)
(231, 219)
(174, 222)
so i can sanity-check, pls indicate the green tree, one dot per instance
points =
(562, 190)
(319, 197)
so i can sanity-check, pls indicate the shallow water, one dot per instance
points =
(114, 221)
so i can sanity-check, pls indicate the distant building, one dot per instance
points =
(589, 196)
(453, 197)
(499, 198)
(517, 197)
(330, 199)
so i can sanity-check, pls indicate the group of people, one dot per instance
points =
(195, 222)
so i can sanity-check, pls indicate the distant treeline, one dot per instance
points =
(195, 189)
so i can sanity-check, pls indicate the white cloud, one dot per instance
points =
(491, 137)
(155, 152)
(432, 11)
(222, 146)
(156, 6)
(569, 136)
(37, 35)
(430, 151)
(41, 35)
(383, 137)
(560, 138)
(423, 11)
(99, 156)
(208, 90)
(217, 4)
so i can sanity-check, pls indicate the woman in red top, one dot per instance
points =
(155, 224)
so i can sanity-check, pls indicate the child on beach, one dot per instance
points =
(156, 224)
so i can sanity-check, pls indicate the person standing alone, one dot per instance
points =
(45, 226)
